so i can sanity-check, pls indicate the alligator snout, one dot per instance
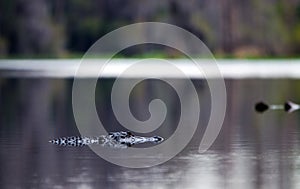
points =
(158, 139)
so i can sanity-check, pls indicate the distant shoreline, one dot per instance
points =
(229, 68)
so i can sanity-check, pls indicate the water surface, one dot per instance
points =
(252, 151)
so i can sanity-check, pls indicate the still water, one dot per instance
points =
(252, 150)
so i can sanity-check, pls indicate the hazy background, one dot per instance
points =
(230, 28)
(252, 150)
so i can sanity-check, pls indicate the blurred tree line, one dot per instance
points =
(59, 28)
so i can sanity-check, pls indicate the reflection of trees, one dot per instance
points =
(260, 150)
(39, 110)
(28, 159)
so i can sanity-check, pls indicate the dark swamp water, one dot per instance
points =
(252, 151)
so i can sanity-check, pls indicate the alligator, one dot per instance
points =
(122, 139)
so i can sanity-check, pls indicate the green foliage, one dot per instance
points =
(63, 28)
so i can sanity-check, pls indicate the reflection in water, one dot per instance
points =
(252, 151)
(121, 139)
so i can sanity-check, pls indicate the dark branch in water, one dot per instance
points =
(261, 107)
(287, 107)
